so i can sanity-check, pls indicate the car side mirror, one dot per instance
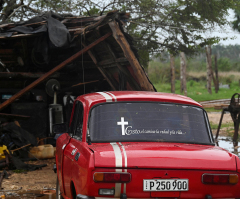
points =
(59, 128)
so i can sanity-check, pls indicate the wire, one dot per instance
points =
(21, 147)
(84, 86)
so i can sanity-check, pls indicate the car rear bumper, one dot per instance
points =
(124, 196)
(80, 196)
(197, 189)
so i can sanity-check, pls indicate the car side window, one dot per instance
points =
(77, 121)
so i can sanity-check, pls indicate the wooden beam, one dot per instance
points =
(6, 51)
(112, 61)
(125, 72)
(112, 82)
(144, 82)
(132, 82)
(19, 75)
(57, 68)
(21, 36)
(13, 117)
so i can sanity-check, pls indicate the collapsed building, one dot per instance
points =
(48, 60)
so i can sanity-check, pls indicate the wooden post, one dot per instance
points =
(172, 65)
(216, 73)
(209, 59)
(139, 72)
(209, 74)
(183, 73)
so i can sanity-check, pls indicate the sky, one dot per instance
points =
(228, 32)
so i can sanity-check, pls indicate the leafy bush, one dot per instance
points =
(191, 83)
(224, 64)
(159, 72)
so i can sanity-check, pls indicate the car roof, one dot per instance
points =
(92, 99)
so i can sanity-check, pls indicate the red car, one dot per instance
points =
(127, 144)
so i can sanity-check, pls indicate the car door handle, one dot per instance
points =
(73, 151)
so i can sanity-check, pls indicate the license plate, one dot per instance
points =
(165, 185)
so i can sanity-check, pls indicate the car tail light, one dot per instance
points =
(220, 178)
(112, 177)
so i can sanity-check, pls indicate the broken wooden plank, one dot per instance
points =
(20, 36)
(84, 83)
(13, 116)
(104, 73)
(220, 107)
(6, 51)
(20, 75)
(48, 74)
(137, 68)
(132, 82)
(36, 24)
(6, 25)
(112, 61)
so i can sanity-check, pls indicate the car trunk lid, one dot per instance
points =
(162, 155)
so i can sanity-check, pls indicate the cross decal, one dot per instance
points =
(122, 123)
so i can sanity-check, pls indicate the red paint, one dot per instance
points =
(167, 155)
(145, 160)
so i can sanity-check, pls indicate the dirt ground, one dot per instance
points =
(39, 180)
(46, 178)
(214, 118)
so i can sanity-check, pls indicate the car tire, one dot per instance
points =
(58, 192)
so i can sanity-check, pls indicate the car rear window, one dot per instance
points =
(144, 121)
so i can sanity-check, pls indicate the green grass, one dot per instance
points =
(198, 92)
(227, 125)
(212, 110)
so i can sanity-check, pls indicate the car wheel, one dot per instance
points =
(58, 193)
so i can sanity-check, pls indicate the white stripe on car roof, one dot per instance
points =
(107, 96)
(115, 98)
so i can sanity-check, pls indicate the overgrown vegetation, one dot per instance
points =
(197, 90)
(228, 67)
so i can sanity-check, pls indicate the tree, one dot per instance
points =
(172, 66)
(183, 68)
(216, 73)
(209, 69)
(176, 25)
(236, 22)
